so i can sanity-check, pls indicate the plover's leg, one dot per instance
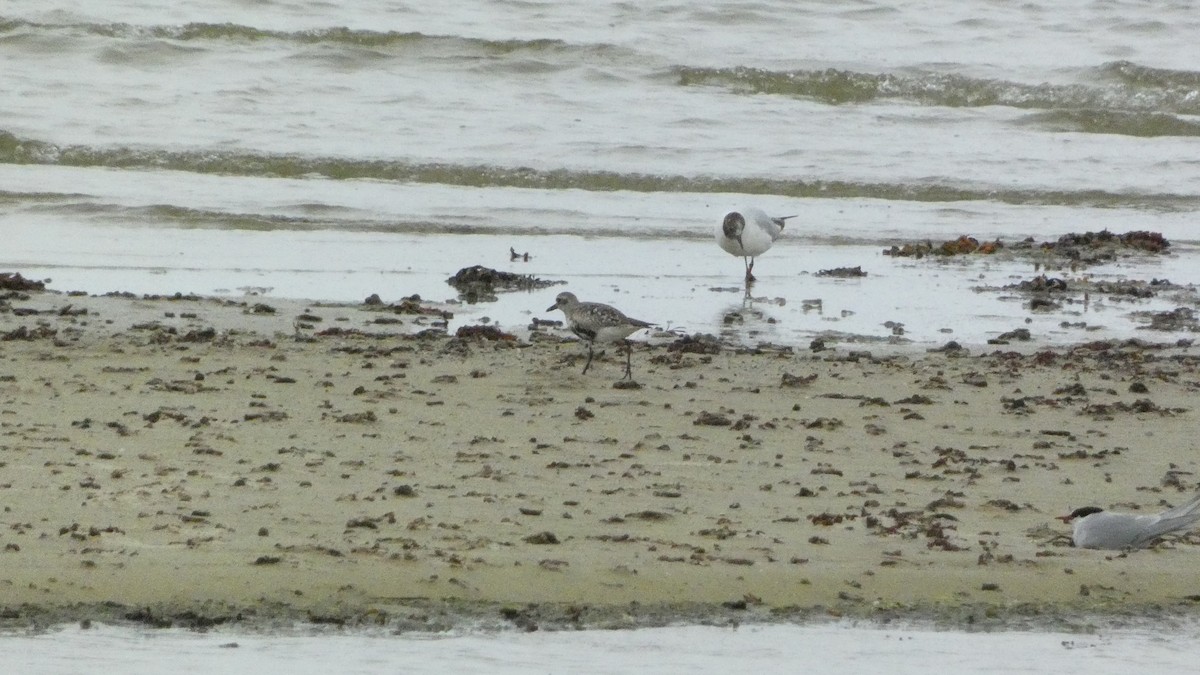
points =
(589, 361)
(628, 362)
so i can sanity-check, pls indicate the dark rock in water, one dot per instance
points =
(951, 347)
(961, 246)
(1141, 240)
(480, 284)
(1178, 319)
(1020, 334)
(843, 272)
(1095, 247)
(1085, 249)
(13, 281)
(1131, 288)
(1041, 284)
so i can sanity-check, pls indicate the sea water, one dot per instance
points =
(334, 150)
(818, 649)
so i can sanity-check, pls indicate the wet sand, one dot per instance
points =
(196, 460)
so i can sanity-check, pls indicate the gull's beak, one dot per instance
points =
(1065, 519)
(552, 307)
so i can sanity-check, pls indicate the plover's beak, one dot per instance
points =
(552, 307)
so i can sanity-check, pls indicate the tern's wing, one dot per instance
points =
(1186, 509)
(1179, 518)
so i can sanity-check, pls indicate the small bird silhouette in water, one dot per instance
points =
(596, 322)
(749, 233)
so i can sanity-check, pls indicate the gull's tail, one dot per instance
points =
(781, 221)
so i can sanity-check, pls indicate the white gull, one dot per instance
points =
(749, 233)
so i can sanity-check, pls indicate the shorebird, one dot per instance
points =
(1097, 528)
(596, 322)
(749, 233)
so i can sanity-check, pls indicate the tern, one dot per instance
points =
(596, 322)
(1100, 529)
(749, 233)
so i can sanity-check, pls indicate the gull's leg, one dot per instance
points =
(749, 262)
(628, 361)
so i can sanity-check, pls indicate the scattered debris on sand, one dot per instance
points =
(412, 305)
(481, 332)
(429, 481)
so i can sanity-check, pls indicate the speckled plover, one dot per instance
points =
(596, 322)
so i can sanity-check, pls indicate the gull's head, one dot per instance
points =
(1081, 512)
(733, 226)
(563, 301)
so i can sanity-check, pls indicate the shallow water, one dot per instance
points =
(306, 150)
(684, 288)
(620, 122)
(689, 649)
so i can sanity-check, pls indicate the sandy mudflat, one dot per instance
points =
(171, 458)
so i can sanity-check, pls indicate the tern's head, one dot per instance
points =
(733, 226)
(1080, 513)
(563, 301)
